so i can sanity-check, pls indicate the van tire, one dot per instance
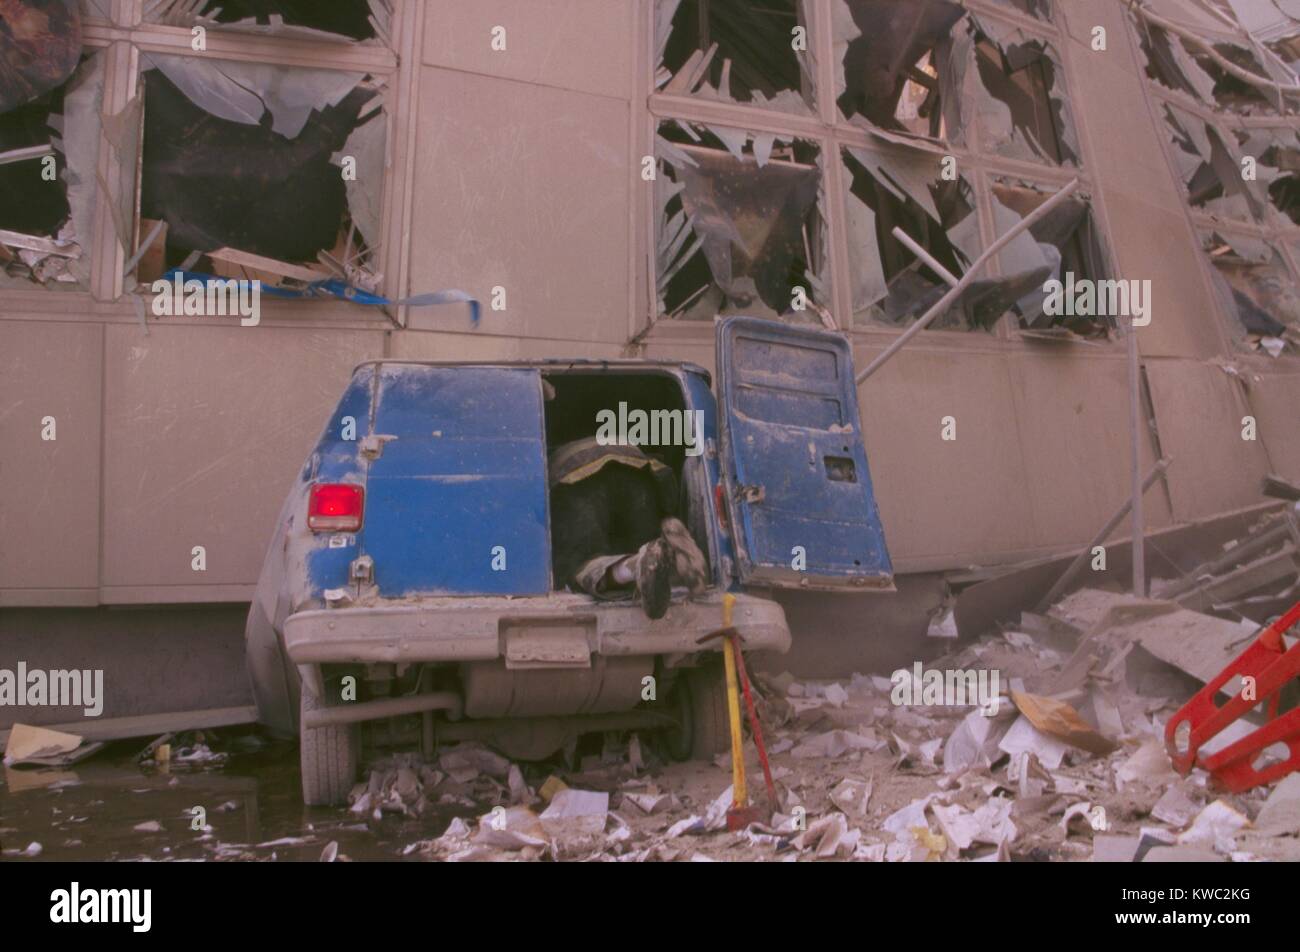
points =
(329, 757)
(703, 729)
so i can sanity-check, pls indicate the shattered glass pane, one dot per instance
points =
(900, 67)
(1023, 112)
(1210, 168)
(1277, 156)
(47, 167)
(1042, 9)
(1177, 64)
(1257, 289)
(738, 225)
(1231, 92)
(1064, 247)
(896, 187)
(349, 19)
(736, 51)
(102, 9)
(223, 176)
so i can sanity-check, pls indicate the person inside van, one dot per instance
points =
(613, 528)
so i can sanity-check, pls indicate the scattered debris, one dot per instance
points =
(30, 746)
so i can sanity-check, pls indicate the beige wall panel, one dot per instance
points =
(1198, 414)
(206, 428)
(960, 499)
(694, 350)
(1123, 147)
(1151, 243)
(435, 345)
(1073, 417)
(49, 490)
(1275, 401)
(585, 45)
(1144, 211)
(526, 188)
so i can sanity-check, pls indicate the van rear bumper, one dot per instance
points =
(480, 629)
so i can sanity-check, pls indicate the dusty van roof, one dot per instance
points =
(550, 363)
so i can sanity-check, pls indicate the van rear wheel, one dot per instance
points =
(702, 730)
(329, 756)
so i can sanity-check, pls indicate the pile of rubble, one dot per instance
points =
(1058, 755)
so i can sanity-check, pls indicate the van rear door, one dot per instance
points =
(794, 464)
(456, 500)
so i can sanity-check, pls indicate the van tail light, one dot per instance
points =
(335, 507)
(720, 505)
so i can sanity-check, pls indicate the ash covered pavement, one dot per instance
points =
(1060, 757)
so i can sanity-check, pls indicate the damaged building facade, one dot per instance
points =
(603, 179)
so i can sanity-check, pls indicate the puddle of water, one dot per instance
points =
(91, 812)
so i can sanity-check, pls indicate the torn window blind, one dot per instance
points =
(1023, 111)
(1065, 246)
(304, 19)
(46, 211)
(1257, 289)
(40, 46)
(1210, 167)
(736, 51)
(896, 63)
(738, 225)
(240, 163)
(893, 186)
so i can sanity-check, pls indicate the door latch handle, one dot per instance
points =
(748, 493)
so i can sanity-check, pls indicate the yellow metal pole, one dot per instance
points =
(739, 796)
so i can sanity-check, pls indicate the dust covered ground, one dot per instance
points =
(857, 777)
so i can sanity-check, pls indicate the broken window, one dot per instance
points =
(1236, 175)
(1207, 162)
(1023, 112)
(892, 186)
(312, 19)
(1065, 246)
(739, 230)
(49, 138)
(1217, 74)
(736, 51)
(259, 171)
(1257, 289)
(1276, 152)
(901, 65)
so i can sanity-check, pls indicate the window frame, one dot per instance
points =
(832, 133)
(123, 38)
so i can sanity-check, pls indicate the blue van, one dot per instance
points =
(408, 595)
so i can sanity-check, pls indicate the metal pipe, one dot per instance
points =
(1138, 535)
(1068, 576)
(944, 302)
(1238, 553)
(385, 707)
(930, 260)
(576, 723)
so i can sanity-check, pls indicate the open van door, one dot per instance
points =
(794, 467)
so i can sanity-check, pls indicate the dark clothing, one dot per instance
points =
(614, 511)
